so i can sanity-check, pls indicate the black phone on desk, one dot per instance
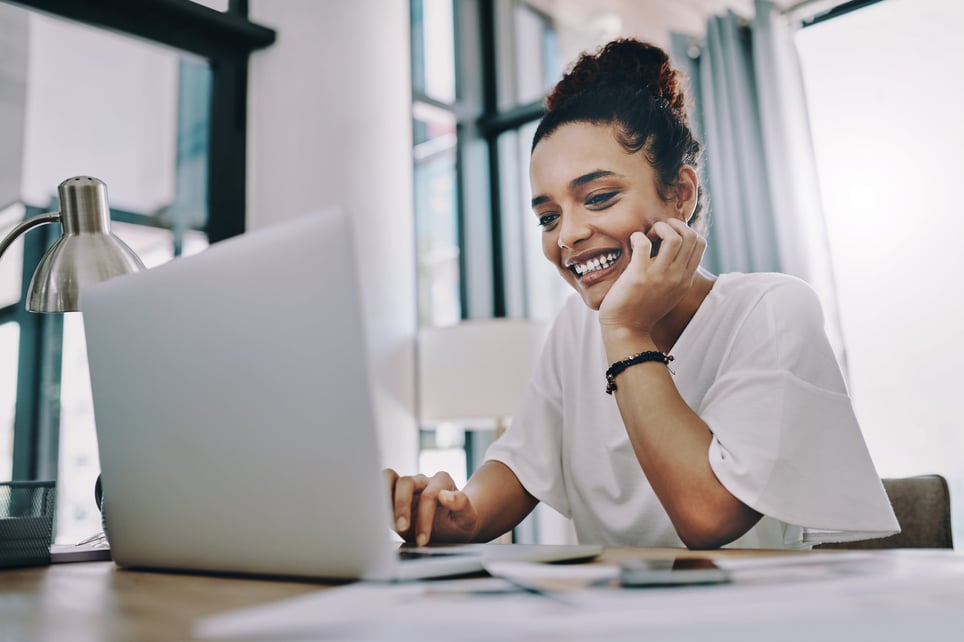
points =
(671, 572)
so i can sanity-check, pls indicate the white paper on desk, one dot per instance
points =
(908, 597)
(429, 611)
(304, 614)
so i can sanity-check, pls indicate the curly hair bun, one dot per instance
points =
(625, 61)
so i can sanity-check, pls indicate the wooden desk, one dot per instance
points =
(99, 601)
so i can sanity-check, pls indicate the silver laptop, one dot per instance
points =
(234, 415)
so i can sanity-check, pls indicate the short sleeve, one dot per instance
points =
(532, 445)
(786, 440)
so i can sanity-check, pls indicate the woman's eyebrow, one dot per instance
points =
(539, 200)
(579, 181)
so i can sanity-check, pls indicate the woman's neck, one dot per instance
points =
(671, 327)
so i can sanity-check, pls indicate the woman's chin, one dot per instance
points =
(593, 297)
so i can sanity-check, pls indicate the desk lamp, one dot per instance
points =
(476, 369)
(86, 254)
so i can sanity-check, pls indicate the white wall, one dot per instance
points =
(329, 124)
(889, 172)
(98, 104)
(14, 44)
(585, 25)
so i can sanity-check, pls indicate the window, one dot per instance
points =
(530, 64)
(436, 216)
(536, 65)
(161, 129)
(160, 105)
(475, 108)
(435, 161)
(9, 342)
(10, 286)
(883, 94)
(436, 192)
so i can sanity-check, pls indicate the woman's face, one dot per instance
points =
(589, 195)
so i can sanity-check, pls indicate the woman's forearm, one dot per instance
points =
(671, 443)
(500, 499)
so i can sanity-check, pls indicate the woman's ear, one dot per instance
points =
(687, 191)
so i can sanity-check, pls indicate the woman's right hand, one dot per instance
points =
(430, 509)
(651, 286)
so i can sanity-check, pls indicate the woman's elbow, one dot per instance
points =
(704, 541)
(708, 530)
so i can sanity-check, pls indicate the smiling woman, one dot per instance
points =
(747, 441)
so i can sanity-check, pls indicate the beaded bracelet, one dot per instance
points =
(642, 357)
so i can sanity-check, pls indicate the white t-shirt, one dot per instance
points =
(755, 364)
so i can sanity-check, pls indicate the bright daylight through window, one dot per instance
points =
(884, 91)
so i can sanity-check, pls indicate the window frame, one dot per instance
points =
(226, 39)
(480, 56)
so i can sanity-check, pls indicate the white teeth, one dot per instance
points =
(594, 264)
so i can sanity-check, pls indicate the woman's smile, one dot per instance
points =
(592, 268)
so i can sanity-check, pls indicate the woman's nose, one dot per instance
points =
(572, 230)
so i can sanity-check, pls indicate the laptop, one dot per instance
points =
(234, 416)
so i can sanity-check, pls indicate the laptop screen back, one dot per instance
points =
(233, 408)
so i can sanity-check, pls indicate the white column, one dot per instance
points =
(329, 124)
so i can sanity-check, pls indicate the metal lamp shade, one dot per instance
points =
(73, 263)
(87, 253)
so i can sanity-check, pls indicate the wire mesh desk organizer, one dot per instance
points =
(26, 522)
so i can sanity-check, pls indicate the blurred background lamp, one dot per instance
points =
(476, 369)
(86, 253)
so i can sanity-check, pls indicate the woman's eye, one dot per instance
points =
(600, 198)
(547, 219)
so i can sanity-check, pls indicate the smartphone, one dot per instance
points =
(672, 572)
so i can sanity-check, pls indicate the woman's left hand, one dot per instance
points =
(650, 287)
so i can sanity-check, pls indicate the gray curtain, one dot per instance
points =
(760, 175)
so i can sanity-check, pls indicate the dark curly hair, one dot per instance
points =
(630, 85)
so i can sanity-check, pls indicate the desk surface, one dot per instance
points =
(99, 601)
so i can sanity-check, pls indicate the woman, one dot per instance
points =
(727, 419)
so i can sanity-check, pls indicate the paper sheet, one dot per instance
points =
(899, 597)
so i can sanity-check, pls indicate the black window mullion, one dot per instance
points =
(181, 24)
(494, 124)
(238, 8)
(839, 10)
(227, 155)
(490, 108)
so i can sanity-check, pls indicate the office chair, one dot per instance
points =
(923, 508)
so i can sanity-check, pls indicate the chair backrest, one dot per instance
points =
(923, 508)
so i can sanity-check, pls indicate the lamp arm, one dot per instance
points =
(39, 219)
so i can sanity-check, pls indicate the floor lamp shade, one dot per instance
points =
(477, 369)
